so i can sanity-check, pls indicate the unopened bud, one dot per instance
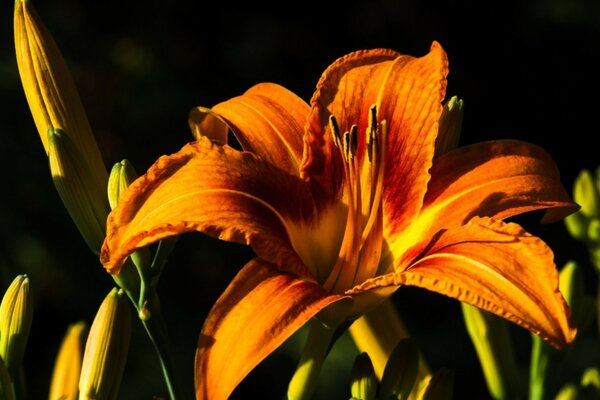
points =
(590, 383)
(441, 385)
(67, 367)
(16, 313)
(450, 126)
(363, 380)
(400, 371)
(50, 89)
(85, 201)
(567, 392)
(106, 349)
(586, 194)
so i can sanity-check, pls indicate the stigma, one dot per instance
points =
(360, 249)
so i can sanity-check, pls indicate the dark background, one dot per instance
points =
(526, 70)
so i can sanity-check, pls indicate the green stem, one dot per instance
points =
(157, 334)
(304, 382)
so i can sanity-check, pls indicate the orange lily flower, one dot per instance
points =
(343, 202)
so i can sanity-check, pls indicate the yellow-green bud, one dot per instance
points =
(567, 392)
(400, 371)
(363, 380)
(85, 201)
(440, 386)
(491, 340)
(106, 349)
(65, 377)
(577, 224)
(593, 230)
(16, 313)
(50, 89)
(590, 383)
(121, 176)
(586, 194)
(450, 125)
(571, 285)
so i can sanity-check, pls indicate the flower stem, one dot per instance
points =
(304, 382)
(156, 333)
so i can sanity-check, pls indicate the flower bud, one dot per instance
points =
(567, 392)
(72, 177)
(441, 385)
(586, 194)
(363, 379)
(50, 89)
(449, 126)
(106, 349)
(16, 313)
(400, 371)
(67, 367)
(590, 383)
(491, 340)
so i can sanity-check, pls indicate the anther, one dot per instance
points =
(372, 132)
(335, 131)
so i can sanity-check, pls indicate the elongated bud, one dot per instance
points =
(85, 201)
(106, 349)
(401, 371)
(16, 313)
(491, 340)
(67, 367)
(50, 89)
(567, 392)
(586, 194)
(572, 286)
(121, 176)
(450, 125)
(590, 383)
(363, 380)
(441, 385)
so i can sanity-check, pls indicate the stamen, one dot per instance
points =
(347, 144)
(372, 132)
(353, 140)
(335, 131)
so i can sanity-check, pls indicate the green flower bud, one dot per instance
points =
(586, 194)
(67, 367)
(85, 201)
(567, 392)
(106, 349)
(400, 371)
(16, 313)
(450, 126)
(440, 386)
(491, 340)
(571, 285)
(593, 230)
(363, 379)
(121, 176)
(590, 383)
(577, 224)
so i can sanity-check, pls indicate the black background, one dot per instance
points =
(526, 70)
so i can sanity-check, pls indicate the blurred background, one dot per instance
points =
(526, 70)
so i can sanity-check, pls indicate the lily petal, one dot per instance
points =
(495, 266)
(498, 179)
(217, 190)
(341, 92)
(259, 310)
(411, 101)
(268, 120)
